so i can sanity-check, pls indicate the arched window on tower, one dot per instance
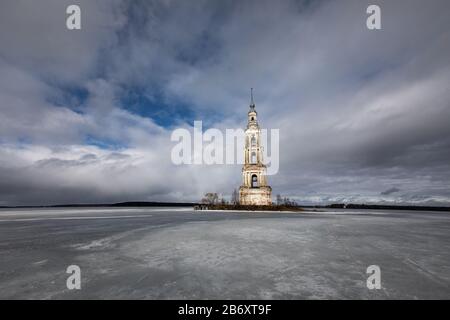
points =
(254, 181)
(253, 158)
(253, 141)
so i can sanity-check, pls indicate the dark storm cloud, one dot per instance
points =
(359, 111)
(390, 191)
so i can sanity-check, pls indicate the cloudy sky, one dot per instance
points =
(86, 116)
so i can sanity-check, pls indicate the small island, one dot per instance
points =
(212, 201)
(242, 207)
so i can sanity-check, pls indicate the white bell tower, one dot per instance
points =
(254, 189)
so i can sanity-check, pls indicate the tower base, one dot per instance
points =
(261, 196)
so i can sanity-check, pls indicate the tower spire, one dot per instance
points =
(252, 103)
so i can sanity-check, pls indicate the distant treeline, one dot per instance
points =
(384, 207)
(274, 207)
(120, 204)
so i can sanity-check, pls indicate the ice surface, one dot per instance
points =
(164, 253)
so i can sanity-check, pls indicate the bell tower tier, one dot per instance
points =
(254, 189)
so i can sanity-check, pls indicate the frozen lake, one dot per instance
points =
(178, 253)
